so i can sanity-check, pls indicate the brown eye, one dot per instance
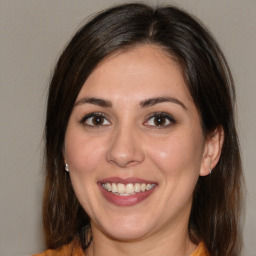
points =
(95, 120)
(160, 120)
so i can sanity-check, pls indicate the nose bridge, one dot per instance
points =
(125, 148)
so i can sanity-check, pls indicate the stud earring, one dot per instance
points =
(66, 168)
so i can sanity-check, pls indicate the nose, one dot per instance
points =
(125, 149)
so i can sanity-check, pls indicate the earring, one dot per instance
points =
(210, 170)
(66, 168)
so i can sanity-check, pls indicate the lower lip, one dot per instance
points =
(126, 200)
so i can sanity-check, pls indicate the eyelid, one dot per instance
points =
(93, 114)
(169, 117)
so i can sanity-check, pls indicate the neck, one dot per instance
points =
(164, 243)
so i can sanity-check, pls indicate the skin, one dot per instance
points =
(128, 143)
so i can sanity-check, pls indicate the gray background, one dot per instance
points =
(33, 33)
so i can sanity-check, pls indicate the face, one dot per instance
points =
(134, 145)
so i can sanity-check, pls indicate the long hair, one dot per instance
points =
(216, 200)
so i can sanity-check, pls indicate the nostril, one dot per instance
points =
(123, 163)
(127, 158)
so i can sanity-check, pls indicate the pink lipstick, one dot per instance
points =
(126, 192)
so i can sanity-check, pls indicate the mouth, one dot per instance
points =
(126, 192)
(129, 189)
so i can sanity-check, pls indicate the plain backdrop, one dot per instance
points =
(33, 34)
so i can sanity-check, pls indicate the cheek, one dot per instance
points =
(82, 153)
(177, 154)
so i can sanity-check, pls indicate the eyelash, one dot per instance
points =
(166, 118)
(164, 115)
(87, 117)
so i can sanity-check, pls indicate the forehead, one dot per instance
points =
(136, 73)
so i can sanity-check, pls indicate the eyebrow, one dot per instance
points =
(153, 101)
(145, 103)
(94, 101)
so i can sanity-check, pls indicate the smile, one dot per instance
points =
(127, 189)
(126, 192)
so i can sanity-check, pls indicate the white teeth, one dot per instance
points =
(120, 188)
(109, 187)
(128, 189)
(143, 187)
(149, 186)
(114, 188)
(137, 187)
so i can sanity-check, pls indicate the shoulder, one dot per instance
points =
(65, 250)
(201, 250)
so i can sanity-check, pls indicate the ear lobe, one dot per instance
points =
(212, 151)
(66, 167)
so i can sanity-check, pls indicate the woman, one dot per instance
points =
(142, 154)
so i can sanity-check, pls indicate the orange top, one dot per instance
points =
(201, 250)
(71, 250)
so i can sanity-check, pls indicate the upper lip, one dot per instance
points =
(125, 180)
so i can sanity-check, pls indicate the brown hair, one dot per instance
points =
(216, 200)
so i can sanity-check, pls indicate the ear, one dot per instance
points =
(212, 151)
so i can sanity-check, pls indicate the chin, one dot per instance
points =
(127, 234)
(128, 229)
